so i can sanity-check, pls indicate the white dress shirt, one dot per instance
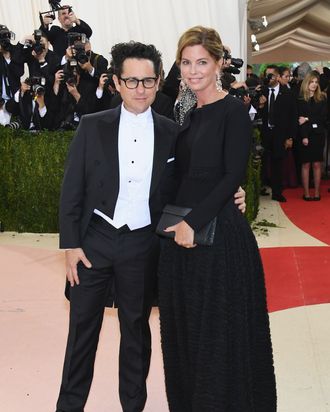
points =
(135, 153)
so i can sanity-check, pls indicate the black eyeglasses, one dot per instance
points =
(133, 82)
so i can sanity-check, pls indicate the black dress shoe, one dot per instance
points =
(279, 198)
(307, 198)
(316, 198)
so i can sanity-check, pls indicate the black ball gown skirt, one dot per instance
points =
(214, 323)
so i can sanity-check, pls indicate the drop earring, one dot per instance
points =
(218, 82)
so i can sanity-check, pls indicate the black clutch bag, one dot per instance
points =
(174, 214)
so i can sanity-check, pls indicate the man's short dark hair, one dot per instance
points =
(274, 67)
(134, 50)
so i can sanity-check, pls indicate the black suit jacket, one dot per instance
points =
(12, 71)
(285, 122)
(91, 178)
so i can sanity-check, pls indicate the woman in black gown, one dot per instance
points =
(312, 112)
(214, 320)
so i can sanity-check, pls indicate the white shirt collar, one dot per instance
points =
(141, 118)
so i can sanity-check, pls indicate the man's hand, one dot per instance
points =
(40, 57)
(72, 89)
(240, 199)
(74, 18)
(72, 258)
(247, 100)
(47, 20)
(184, 234)
(305, 141)
(102, 80)
(24, 88)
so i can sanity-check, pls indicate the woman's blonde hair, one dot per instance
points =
(206, 37)
(304, 91)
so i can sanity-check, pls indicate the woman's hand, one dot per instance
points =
(240, 199)
(184, 234)
(305, 141)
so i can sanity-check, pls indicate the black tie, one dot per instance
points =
(271, 108)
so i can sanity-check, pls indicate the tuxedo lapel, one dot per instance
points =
(108, 129)
(161, 152)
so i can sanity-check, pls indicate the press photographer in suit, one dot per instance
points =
(41, 61)
(11, 70)
(30, 104)
(279, 127)
(70, 23)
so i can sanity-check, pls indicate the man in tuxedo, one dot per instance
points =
(113, 192)
(118, 177)
(279, 126)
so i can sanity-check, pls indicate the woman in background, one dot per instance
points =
(285, 75)
(214, 321)
(312, 112)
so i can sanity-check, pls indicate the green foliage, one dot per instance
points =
(253, 181)
(31, 171)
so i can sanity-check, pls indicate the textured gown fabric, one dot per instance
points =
(213, 313)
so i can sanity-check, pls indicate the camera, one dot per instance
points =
(240, 92)
(55, 5)
(37, 84)
(77, 43)
(76, 37)
(5, 37)
(70, 72)
(38, 47)
(236, 63)
(267, 79)
(254, 92)
(79, 53)
(109, 81)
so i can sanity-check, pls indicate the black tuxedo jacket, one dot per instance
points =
(285, 121)
(91, 178)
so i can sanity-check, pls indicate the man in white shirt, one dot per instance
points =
(118, 177)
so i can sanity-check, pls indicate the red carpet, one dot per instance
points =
(312, 217)
(296, 276)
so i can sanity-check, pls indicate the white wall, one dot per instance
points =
(151, 21)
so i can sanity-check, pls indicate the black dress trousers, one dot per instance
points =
(125, 261)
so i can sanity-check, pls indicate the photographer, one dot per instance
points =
(41, 61)
(29, 103)
(72, 95)
(92, 65)
(11, 66)
(105, 91)
(58, 36)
